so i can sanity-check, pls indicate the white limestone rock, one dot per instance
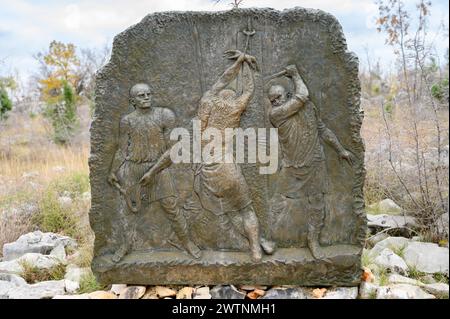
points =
(427, 257)
(36, 242)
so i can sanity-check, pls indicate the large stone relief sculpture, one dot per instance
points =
(162, 221)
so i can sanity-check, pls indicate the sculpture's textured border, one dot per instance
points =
(101, 144)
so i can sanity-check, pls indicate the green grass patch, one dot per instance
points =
(383, 276)
(414, 273)
(32, 274)
(74, 184)
(52, 217)
(89, 283)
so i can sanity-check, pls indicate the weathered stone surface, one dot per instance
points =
(163, 292)
(35, 242)
(12, 278)
(368, 290)
(202, 293)
(439, 289)
(59, 252)
(373, 240)
(398, 279)
(288, 293)
(132, 292)
(180, 56)
(5, 287)
(255, 294)
(34, 259)
(386, 206)
(402, 291)
(393, 243)
(102, 295)
(389, 260)
(185, 293)
(40, 290)
(427, 257)
(226, 292)
(117, 288)
(75, 273)
(71, 286)
(388, 221)
(341, 293)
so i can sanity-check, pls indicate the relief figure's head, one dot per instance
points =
(277, 95)
(227, 94)
(140, 96)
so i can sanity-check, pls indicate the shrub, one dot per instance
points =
(63, 115)
(54, 218)
(5, 103)
(89, 283)
(32, 274)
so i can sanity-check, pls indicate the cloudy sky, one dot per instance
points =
(28, 26)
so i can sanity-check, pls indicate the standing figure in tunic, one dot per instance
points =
(303, 167)
(221, 187)
(139, 168)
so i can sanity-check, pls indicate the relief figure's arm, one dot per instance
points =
(248, 83)
(281, 113)
(300, 88)
(168, 123)
(331, 139)
(121, 151)
(229, 75)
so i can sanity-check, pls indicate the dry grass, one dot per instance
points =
(34, 172)
(381, 182)
(12, 226)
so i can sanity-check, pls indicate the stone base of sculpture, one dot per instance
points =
(287, 266)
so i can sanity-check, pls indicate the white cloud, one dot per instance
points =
(30, 25)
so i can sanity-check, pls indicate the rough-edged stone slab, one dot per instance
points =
(438, 289)
(179, 54)
(341, 293)
(393, 243)
(388, 221)
(386, 206)
(389, 260)
(35, 242)
(398, 279)
(402, 291)
(286, 293)
(40, 290)
(226, 292)
(368, 290)
(427, 257)
(299, 268)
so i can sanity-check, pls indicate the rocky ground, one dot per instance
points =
(42, 265)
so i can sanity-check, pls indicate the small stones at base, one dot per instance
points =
(319, 292)
(102, 295)
(132, 292)
(255, 294)
(185, 293)
(226, 292)
(202, 293)
(117, 288)
(163, 292)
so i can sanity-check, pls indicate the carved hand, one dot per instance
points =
(147, 178)
(347, 156)
(251, 60)
(291, 71)
(233, 54)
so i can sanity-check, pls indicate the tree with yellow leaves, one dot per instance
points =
(57, 88)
